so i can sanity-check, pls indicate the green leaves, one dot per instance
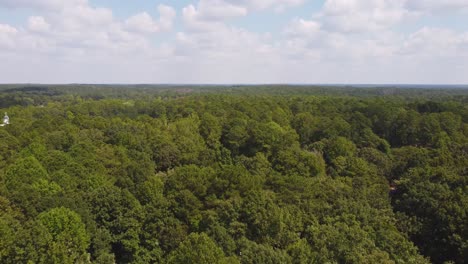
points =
(436, 198)
(61, 237)
(197, 248)
(27, 184)
(233, 178)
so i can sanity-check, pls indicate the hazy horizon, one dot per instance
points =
(363, 85)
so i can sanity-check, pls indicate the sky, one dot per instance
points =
(234, 41)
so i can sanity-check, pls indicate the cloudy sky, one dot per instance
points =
(234, 41)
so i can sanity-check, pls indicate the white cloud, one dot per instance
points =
(209, 41)
(218, 10)
(362, 15)
(209, 15)
(77, 33)
(83, 18)
(212, 51)
(205, 11)
(345, 41)
(38, 24)
(167, 17)
(144, 23)
(51, 5)
(436, 5)
(7, 29)
(278, 5)
(357, 16)
(194, 20)
(308, 38)
(7, 34)
(235, 56)
(375, 53)
(302, 27)
(222, 43)
(436, 42)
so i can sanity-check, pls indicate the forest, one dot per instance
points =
(233, 174)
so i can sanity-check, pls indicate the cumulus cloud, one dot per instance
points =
(52, 5)
(436, 5)
(343, 41)
(376, 15)
(278, 5)
(167, 17)
(436, 42)
(7, 29)
(218, 10)
(7, 34)
(302, 27)
(74, 29)
(362, 37)
(310, 38)
(227, 55)
(362, 15)
(38, 24)
(224, 42)
(209, 11)
(366, 29)
(195, 20)
(144, 23)
(209, 15)
(75, 41)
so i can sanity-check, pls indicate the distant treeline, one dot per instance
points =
(140, 91)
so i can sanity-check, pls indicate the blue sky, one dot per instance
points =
(234, 41)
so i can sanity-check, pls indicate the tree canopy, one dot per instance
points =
(233, 175)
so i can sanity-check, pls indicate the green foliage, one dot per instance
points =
(344, 241)
(253, 253)
(118, 212)
(61, 237)
(27, 184)
(197, 248)
(300, 162)
(438, 198)
(233, 175)
(15, 241)
(338, 147)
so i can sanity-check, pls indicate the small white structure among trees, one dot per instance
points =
(6, 120)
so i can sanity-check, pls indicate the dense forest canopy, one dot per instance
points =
(238, 174)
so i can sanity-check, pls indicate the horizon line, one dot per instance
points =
(247, 84)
